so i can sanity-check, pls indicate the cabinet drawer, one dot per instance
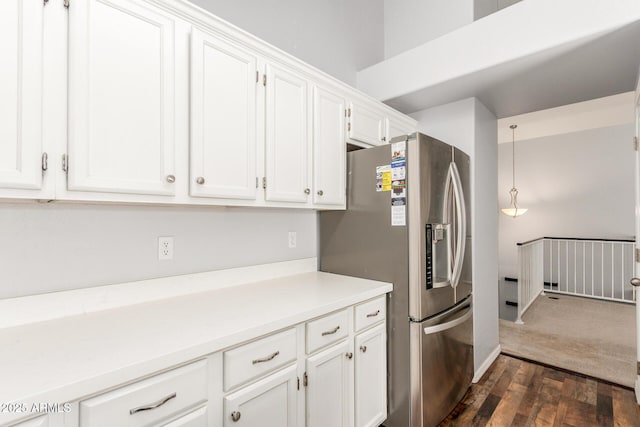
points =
(149, 401)
(197, 418)
(326, 330)
(257, 358)
(370, 313)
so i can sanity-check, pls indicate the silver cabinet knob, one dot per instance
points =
(363, 348)
(307, 191)
(235, 416)
(200, 180)
(171, 179)
(349, 355)
(635, 281)
(320, 193)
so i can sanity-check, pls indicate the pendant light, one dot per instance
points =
(513, 210)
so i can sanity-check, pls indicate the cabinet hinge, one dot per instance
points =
(257, 182)
(305, 380)
(637, 252)
(66, 4)
(45, 162)
(264, 80)
(45, 2)
(257, 76)
(65, 163)
(349, 127)
(298, 382)
(349, 112)
(264, 182)
(635, 143)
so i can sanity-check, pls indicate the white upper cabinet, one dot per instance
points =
(397, 127)
(287, 136)
(21, 34)
(329, 150)
(224, 80)
(367, 124)
(121, 98)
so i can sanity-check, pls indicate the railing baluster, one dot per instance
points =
(602, 266)
(592, 273)
(612, 272)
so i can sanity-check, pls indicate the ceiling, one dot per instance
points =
(601, 66)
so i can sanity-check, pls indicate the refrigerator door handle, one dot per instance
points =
(429, 330)
(461, 217)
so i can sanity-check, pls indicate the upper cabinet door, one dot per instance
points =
(223, 119)
(366, 124)
(21, 94)
(121, 98)
(329, 151)
(287, 136)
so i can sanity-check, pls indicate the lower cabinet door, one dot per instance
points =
(371, 377)
(35, 422)
(197, 418)
(270, 402)
(330, 387)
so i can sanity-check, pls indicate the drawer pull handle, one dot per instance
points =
(373, 314)
(363, 348)
(153, 405)
(265, 359)
(331, 332)
(235, 416)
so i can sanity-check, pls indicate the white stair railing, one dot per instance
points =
(593, 268)
(530, 274)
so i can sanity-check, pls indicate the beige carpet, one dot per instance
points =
(592, 337)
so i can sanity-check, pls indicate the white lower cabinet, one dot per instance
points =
(148, 402)
(197, 418)
(42, 421)
(371, 377)
(329, 390)
(270, 402)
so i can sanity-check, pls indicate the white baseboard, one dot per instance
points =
(637, 389)
(487, 363)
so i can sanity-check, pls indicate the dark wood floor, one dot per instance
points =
(514, 392)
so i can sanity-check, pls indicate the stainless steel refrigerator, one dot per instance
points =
(408, 222)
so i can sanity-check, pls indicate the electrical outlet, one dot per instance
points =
(292, 239)
(165, 248)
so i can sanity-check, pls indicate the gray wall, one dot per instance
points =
(470, 126)
(52, 247)
(336, 36)
(575, 185)
(411, 23)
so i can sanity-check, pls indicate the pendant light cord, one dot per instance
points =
(513, 155)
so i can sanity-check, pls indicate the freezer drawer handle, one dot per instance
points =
(265, 359)
(448, 325)
(331, 332)
(153, 405)
(373, 314)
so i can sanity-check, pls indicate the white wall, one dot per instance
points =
(410, 23)
(336, 36)
(470, 126)
(578, 184)
(51, 247)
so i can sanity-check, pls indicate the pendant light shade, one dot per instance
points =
(513, 210)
